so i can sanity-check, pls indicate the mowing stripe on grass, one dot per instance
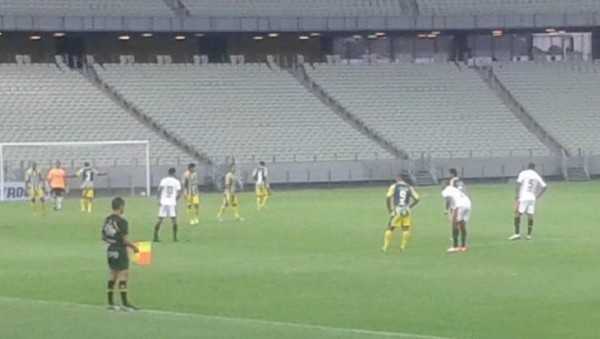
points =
(239, 320)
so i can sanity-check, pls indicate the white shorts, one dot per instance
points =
(167, 211)
(527, 207)
(462, 214)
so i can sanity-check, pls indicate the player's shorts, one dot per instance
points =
(526, 207)
(57, 192)
(231, 200)
(192, 199)
(118, 258)
(401, 219)
(262, 190)
(36, 193)
(462, 214)
(167, 211)
(88, 193)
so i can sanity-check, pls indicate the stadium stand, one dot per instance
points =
(85, 7)
(438, 109)
(247, 111)
(294, 8)
(318, 8)
(563, 97)
(483, 7)
(44, 103)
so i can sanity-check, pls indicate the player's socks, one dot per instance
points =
(90, 206)
(110, 292)
(405, 239)
(83, 205)
(530, 228)
(455, 237)
(156, 230)
(220, 213)
(387, 239)
(517, 225)
(123, 292)
(34, 207)
(174, 232)
(463, 236)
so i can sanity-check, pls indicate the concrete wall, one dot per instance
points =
(131, 179)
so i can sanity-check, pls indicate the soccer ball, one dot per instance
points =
(143, 193)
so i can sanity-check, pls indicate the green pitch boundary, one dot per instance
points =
(265, 323)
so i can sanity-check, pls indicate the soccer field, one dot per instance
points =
(310, 266)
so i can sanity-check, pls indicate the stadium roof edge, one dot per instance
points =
(292, 24)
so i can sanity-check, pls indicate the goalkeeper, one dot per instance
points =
(401, 198)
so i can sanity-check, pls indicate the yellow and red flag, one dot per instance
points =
(144, 256)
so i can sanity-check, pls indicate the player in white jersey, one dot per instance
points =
(530, 187)
(458, 204)
(263, 189)
(169, 191)
(456, 181)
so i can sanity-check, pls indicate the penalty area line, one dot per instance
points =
(323, 328)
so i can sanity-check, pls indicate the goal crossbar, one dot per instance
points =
(3, 147)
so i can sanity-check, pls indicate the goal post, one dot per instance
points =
(42, 150)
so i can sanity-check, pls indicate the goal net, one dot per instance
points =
(125, 165)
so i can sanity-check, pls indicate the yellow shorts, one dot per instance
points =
(231, 200)
(88, 193)
(262, 191)
(192, 199)
(405, 222)
(36, 193)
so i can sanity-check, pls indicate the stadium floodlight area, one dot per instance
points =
(16, 157)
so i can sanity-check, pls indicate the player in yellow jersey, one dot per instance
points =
(263, 189)
(34, 182)
(230, 198)
(192, 194)
(400, 199)
(87, 174)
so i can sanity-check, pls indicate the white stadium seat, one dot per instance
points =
(42, 103)
(563, 97)
(85, 7)
(436, 109)
(248, 111)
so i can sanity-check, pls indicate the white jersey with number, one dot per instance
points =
(458, 199)
(170, 188)
(260, 174)
(530, 183)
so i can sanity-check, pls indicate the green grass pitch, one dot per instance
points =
(310, 267)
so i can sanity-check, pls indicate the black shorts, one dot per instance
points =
(57, 192)
(118, 258)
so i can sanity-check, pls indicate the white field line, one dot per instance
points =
(239, 320)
